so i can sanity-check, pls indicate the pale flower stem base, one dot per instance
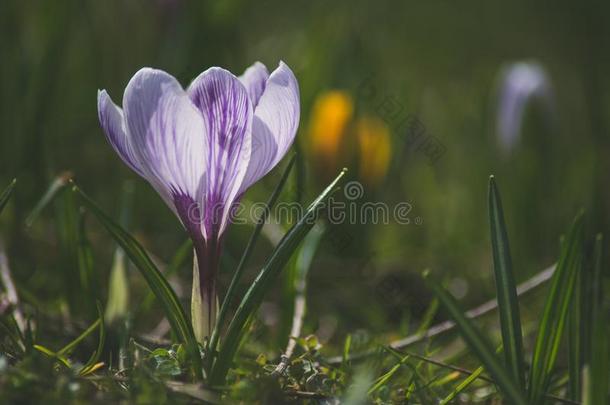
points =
(203, 315)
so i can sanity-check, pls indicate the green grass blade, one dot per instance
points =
(100, 345)
(575, 342)
(55, 187)
(462, 386)
(383, 380)
(68, 348)
(263, 281)
(117, 306)
(506, 290)
(479, 344)
(465, 384)
(50, 353)
(6, 194)
(224, 308)
(556, 312)
(85, 266)
(180, 259)
(157, 283)
(597, 369)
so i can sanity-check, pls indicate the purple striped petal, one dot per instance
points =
(167, 135)
(113, 124)
(254, 80)
(276, 119)
(227, 113)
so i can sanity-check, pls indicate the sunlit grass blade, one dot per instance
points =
(555, 312)
(263, 282)
(50, 353)
(479, 344)
(157, 283)
(93, 360)
(70, 346)
(58, 184)
(506, 290)
(383, 380)
(465, 384)
(118, 289)
(462, 386)
(224, 308)
(117, 305)
(6, 194)
(597, 370)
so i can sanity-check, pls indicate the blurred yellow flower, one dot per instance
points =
(375, 149)
(330, 117)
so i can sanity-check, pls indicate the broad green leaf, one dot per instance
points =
(6, 194)
(237, 275)
(555, 312)
(479, 344)
(272, 268)
(157, 283)
(506, 290)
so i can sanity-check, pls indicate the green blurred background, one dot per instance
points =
(440, 60)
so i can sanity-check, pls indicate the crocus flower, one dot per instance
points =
(330, 118)
(201, 148)
(520, 83)
(375, 149)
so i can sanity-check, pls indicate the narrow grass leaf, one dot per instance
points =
(50, 353)
(597, 369)
(157, 283)
(6, 194)
(462, 386)
(272, 268)
(85, 265)
(506, 289)
(466, 383)
(237, 275)
(93, 360)
(383, 380)
(117, 306)
(55, 187)
(575, 341)
(178, 261)
(70, 346)
(479, 344)
(555, 312)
